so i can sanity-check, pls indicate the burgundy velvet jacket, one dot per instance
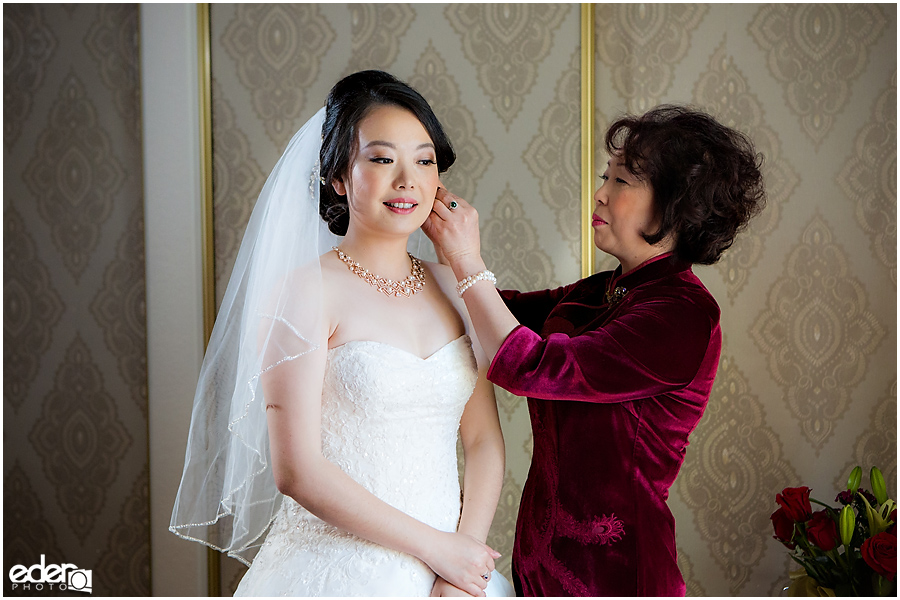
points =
(614, 387)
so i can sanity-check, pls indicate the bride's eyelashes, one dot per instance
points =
(383, 160)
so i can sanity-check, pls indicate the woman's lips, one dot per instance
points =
(402, 206)
(597, 221)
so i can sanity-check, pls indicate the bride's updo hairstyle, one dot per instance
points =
(349, 102)
(705, 177)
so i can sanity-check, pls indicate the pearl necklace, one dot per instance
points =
(410, 286)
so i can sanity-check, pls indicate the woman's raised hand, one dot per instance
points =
(461, 560)
(453, 227)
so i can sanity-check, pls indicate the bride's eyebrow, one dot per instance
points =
(390, 145)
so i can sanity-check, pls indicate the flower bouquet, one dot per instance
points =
(850, 550)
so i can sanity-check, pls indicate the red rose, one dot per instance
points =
(880, 553)
(822, 531)
(784, 528)
(795, 502)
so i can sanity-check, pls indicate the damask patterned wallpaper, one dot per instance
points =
(807, 384)
(75, 455)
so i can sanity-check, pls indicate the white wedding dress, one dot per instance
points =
(390, 421)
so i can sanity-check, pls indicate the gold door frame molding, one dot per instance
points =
(587, 139)
(213, 564)
(204, 76)
(204, 73)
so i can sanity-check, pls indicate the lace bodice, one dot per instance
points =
(390, 420)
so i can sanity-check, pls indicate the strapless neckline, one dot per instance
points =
(352, 343)
(390, 421)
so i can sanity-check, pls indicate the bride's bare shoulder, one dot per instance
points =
(442, 273)
(337, 282)
(446, 281)
(329, 263)
(307, 282)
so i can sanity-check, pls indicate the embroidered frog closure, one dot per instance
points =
(616, 295)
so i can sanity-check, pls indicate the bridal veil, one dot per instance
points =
(270, 312)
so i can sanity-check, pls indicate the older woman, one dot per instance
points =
(617, 367)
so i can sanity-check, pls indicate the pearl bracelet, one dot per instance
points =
(462, 286)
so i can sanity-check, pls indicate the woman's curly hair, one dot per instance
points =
(349, 101)
(705, 177)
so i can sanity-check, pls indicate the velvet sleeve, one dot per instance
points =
(655, 347)
(532, 308)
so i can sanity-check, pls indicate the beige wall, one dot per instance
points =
(75, 462)
(172, 221)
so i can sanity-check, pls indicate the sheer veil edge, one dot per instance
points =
(270, 314)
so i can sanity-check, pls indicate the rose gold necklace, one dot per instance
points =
(410, 286)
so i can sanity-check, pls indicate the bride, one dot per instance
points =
(323, 440)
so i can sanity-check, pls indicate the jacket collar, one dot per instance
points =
(649, 270)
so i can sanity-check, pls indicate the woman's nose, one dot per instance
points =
(599, 196)
(404, 179)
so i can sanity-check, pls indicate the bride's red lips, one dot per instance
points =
(402, 206)
(598, 221)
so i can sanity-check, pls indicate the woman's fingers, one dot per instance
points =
(432, 221)
(490, 568)
(463, 561)
(443, 589)
(462, 213)
(440, 209)
(450, 200)
(473, 589)
(455, 229)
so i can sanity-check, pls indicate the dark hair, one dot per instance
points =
(349, 101)
(705, 177)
